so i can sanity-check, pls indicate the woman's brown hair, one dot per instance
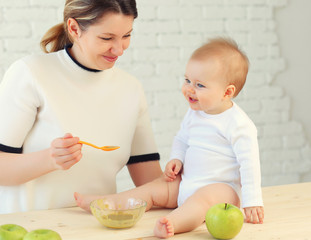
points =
(86, 13)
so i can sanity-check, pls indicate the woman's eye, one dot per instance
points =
(126, 36)
(106, 39)
(187, 81)
(199, 85)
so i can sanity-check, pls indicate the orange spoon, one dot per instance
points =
(105, 148)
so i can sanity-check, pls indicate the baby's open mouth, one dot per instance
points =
(192, 100)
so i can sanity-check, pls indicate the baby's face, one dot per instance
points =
(205, 86)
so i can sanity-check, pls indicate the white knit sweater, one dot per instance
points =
(42, 97)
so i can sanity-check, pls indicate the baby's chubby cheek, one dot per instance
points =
(184, 92)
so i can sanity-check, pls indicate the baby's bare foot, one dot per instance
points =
(164, 228)
(84, 201)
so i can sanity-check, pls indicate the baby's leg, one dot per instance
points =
(156, 193)
(192, 213)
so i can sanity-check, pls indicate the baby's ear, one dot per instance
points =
(230, 91)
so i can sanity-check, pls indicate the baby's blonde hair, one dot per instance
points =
(234, 61)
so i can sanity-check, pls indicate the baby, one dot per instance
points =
(215, 155)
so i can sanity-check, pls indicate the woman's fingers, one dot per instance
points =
(65, 141)
(65, 151)
(58, 152)
(65, 165)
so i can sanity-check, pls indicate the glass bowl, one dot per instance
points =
(118, 213)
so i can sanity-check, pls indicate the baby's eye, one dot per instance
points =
(199, 85)
(187, 81)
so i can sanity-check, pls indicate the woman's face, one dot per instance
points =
(102, 43)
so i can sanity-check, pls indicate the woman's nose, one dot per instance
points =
(117, 48)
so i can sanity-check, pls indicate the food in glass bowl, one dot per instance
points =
(118, 213)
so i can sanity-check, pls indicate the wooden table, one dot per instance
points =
(287, 217)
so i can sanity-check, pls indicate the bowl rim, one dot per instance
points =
(143, 205)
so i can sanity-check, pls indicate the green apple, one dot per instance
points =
(224, 221)
(42, 234)
(12, 232)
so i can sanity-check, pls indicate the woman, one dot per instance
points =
(49, 102)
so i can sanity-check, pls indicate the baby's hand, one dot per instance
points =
(254, 214)
(172, 169)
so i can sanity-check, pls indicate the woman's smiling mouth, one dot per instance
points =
(111, 59)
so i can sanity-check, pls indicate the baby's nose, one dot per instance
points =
(191, 89)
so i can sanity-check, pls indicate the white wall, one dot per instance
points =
(294, 31)
(165, 34)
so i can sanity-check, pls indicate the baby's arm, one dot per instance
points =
(243, 137)
(172, 169)
(254, 214)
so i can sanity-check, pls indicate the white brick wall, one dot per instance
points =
(165, 34)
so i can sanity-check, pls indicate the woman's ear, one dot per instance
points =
(73, 28)
(230, 91)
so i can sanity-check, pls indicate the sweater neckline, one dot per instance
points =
(76, 62)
